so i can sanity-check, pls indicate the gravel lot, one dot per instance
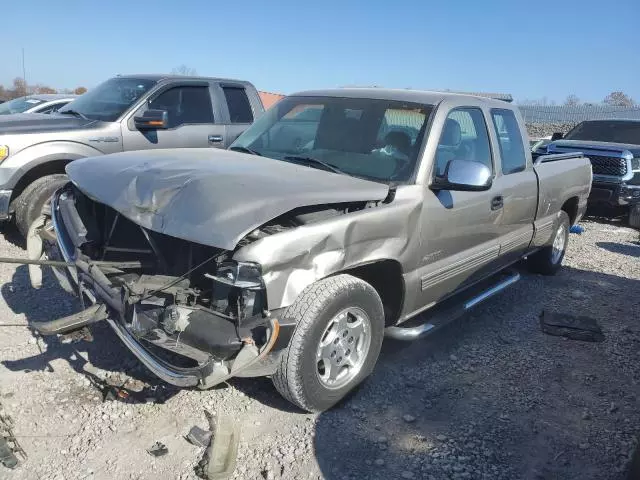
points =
(489, 397)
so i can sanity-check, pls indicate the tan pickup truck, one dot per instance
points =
(338, 217)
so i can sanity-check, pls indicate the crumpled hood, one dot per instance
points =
(210, 196)
(578, 145)
(41, 123)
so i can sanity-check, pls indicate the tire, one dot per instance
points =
(634, 216)
(299, 377)
(548, 260)
(28, 205)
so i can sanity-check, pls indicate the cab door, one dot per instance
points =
(460, 229)
(517, 185)
(192, 122)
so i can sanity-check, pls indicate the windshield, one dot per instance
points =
(110, 99)
(374, 139)
(613, 131)
(19, 105)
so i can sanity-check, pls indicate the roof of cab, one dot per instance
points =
(157, 77)
(404, 95)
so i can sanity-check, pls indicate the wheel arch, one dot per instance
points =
(385, 276)
(570, 207)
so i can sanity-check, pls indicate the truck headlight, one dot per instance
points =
(238, 289)
(4, 152)
(635, 164)
(243, 275)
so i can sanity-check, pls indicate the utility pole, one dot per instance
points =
(24, 74)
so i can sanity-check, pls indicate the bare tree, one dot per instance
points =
(619, 99)
(184, 70)
(19, 88)
(572, 100)
(43, 89)
(80, 90)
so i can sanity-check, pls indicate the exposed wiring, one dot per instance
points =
(180, 278)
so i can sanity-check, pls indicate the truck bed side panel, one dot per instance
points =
(559, 182)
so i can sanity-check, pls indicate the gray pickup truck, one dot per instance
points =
(136, 112)
(613, 146)
(338, 217)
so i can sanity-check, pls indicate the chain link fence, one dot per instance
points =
(544, 120)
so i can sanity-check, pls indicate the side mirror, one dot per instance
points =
(465, 176)
(556, 136)
(152, 119)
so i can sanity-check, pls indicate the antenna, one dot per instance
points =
(24, 74)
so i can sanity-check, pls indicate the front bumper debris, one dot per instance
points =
(186, 346)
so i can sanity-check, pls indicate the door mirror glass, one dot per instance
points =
(557, 136)
(152, 119)
(464, 175)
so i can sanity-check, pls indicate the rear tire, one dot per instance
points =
(548, 260)
(29, 204)
(340, 322)
(634, 216)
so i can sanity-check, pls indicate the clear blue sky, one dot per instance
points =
(532, 49)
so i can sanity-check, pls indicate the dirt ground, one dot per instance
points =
(488, 397)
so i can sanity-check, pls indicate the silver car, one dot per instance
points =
(40, 103)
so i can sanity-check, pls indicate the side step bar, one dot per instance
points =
(449, 314)
(93, 314)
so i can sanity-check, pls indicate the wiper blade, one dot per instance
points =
(245, 150)
(314, 161)
(74, 112)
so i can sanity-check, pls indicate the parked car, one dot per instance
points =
(124, 113)
(40, 103)
(291, 258)
(613, 146)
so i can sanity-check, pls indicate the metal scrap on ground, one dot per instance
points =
(219, 460)
(158, 449)
(571, 326)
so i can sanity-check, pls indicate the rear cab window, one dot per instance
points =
(238, 103)
(512, 152)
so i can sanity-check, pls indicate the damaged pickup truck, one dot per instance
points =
(339, 216)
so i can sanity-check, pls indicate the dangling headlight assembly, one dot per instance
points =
(238, 289)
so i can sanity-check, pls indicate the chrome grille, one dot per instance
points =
(604, 165)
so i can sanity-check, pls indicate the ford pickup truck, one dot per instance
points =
(338, 218)
(135, 112)
(613, 146)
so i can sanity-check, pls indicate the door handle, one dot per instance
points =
(215, 138)
(497, 202)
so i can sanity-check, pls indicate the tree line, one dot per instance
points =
(19, 88)
(614, 99)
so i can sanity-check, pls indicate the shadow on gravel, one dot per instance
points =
(633, 250)
(106, 353)
(11, 234)
(492, 397)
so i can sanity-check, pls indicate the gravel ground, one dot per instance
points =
(488, 397)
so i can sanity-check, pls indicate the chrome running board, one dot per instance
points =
(451, 313)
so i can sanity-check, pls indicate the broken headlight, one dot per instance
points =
(238, 290)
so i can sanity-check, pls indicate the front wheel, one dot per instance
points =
(339, 332)
(548, 260)
(28, 206)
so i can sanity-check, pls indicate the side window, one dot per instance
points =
(185, 105)
(238, 103)
(49, 109)
(510, 140)
(464, 137)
